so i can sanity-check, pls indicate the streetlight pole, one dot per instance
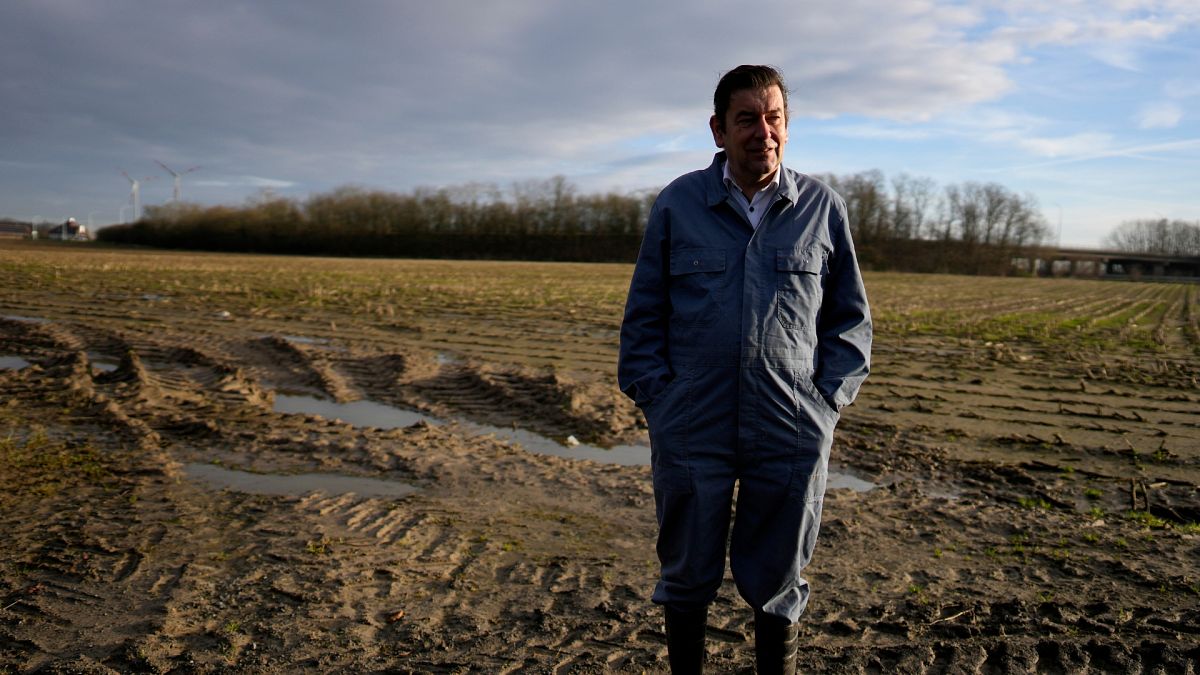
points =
(1058, 239)
(1060, 227)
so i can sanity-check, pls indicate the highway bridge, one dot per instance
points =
(1098, 264)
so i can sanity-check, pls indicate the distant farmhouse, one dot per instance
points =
(69, 231)
(12, 229)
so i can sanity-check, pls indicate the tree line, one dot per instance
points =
(906, 223)
(910, 224)
(533, 220)
(1163, 237)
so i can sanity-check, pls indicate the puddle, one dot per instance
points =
(840, 480)
(357, 413)
(102, 363)
(371, 414)
(628, 455)
(155, 297)
(305, 340)
(25, 319)
(295, 485)
(13, 362)
(447, 359)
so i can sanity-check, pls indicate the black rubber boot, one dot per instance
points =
(774, 645)
(685, 639)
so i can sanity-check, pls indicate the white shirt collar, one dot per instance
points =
(732, 185)
(756, 207)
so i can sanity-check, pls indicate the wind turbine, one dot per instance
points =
(177, 175)
(135, 194)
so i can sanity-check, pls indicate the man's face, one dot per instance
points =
(753, 137)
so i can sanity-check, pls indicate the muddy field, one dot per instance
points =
(263, 464)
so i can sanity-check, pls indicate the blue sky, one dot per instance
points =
(1092, 107)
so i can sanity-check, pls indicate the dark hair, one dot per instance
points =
(745, 77)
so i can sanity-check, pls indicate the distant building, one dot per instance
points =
(69, 231)
(12, 229)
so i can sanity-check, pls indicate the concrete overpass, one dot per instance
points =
(1098, 264)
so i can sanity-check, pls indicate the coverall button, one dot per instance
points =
(695, 263)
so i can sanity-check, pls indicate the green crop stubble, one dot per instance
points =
(1054, 313)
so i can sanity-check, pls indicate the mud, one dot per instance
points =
(1034, 509)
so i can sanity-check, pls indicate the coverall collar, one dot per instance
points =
(716, 192)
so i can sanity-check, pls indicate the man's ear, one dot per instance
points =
(718, 134)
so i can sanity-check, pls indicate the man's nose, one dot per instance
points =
(761, 128)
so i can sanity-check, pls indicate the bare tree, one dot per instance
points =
(912, 201)
(1175, 237)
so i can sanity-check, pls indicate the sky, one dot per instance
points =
(1092, 107)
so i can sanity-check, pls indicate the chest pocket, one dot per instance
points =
(697, 281)
(800, 275)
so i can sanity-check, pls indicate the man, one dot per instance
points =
(746, 331)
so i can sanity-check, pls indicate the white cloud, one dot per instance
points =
(1063, 146)
(1060, 30)
(879, 132)
(1117, 55)
(1105, 149)
(246, 181)
(1182, 88)
(405, 94)
(1113, 32)
(1159, 115)
(1122, 28)
(24, 166)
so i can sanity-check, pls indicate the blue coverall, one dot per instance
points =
(741, 346)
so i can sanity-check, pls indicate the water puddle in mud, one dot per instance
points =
(305, 340)
(629, 455)
(24, 319)
(371, 414)
(356, 413)
(296, 484)
(13, 362)
(102, 363)
(840, 480)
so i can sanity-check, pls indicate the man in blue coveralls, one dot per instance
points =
(746, 331)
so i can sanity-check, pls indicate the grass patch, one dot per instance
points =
(1033, 503)
(33, 464)
(322, 546)
(1147, 519)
